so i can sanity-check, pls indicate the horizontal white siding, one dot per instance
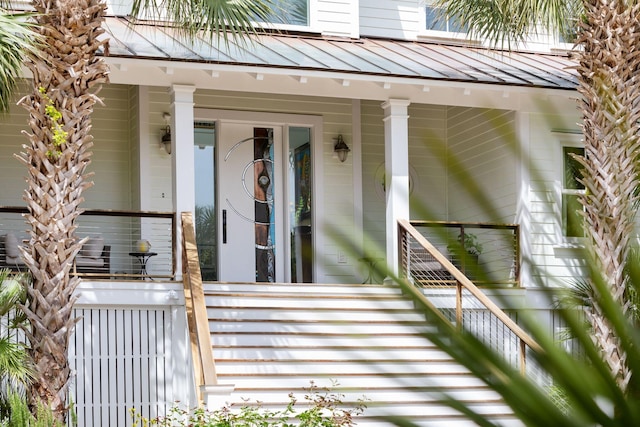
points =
(557, 262)
(111, 152)
(134, 138)
(112, 160)
(336, 17)
(396, 19)
(373, 204)
(428, 179)
(483, 179)
(13, 172)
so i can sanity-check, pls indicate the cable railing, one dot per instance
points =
(121, 244)
(458, 299)
(487, 253)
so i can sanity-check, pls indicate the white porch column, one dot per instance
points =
(182, 159)
(396, 154)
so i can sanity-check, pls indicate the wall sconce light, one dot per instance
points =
(166, 136)
(341, 148)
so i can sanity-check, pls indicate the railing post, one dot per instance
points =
(523, 357)
(402, 255)
(463, 251)
(516, 233)
(459, 317)
(174, 252)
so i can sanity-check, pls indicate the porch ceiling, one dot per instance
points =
(396, 68)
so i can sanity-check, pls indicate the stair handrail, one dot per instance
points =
(462, 281)
(197, 319)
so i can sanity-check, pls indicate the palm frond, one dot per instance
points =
(512, 21)
(15, 365)
(12, 291)
(225, 19)
(17, 41)
(586, 383)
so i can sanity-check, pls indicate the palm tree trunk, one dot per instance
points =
(609, 84)
(56, 157)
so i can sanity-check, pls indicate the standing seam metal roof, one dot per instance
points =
(393, 58)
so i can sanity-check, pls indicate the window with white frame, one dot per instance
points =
(572, 189)
(290, 12)
(435, 21)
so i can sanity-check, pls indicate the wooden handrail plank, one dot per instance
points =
(193, 281)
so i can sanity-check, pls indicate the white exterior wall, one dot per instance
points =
(134, 138)
(111, 132)
(557, 258)
(468, 132)
(13, 172)
(373, 204)
(397, 19)
(484, 144)
(111, 152)
(428, 173)
(335, 17)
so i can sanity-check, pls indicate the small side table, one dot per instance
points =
(143, 258)
(370, 264)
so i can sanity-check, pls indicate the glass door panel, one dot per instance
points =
(205, 214)
(300, 204)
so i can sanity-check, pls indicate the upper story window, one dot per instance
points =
(290, 12)
(572, 189)
(435, 21)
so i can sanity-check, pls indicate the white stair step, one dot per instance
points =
(359, 382)
(333, 368)
(317, 314)
(299, 288)
(233, 338)
(404, 355)
(315, 328)
(293, 302)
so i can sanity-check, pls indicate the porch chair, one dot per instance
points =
(10, 253)
(93, 258)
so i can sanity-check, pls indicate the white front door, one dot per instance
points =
(251, 203)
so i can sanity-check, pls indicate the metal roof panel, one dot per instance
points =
(394, 58)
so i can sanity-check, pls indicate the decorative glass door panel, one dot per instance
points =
(251, 208)
(300, 205)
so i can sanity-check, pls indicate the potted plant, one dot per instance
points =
(470, 244)
(466, 252)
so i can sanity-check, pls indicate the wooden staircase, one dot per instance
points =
(270, 340)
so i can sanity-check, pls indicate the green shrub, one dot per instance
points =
(19, 415)
(323, 408)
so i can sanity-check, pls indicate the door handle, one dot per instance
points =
(224, 226)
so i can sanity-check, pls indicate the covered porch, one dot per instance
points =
(428, 131)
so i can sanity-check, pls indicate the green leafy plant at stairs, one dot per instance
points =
(323, 408)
